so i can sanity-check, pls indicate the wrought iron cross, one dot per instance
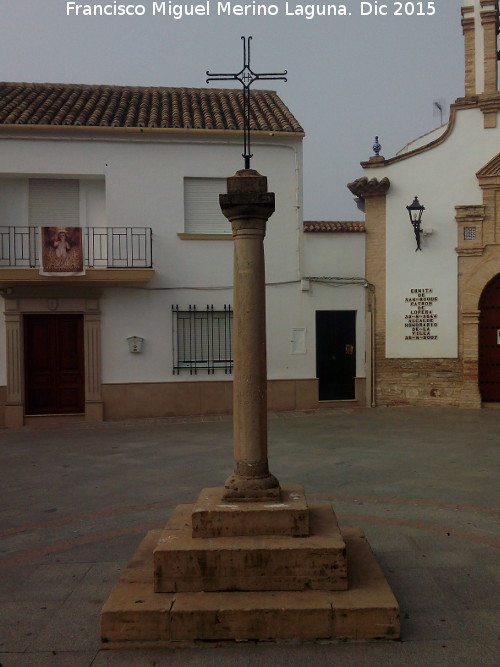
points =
(246, 76)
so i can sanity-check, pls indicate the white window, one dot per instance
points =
(54, 202)
(202, 213)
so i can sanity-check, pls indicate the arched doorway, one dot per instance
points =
(489, 341)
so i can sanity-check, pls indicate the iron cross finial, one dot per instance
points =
(246, 76)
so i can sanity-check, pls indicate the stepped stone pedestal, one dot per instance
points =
(251, 560)
(180, 590)
(263, 560)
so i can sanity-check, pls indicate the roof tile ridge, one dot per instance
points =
(88, 105)
(187, 121)
(154, 118)
(68, 97)
(43, 115)
(12, 105)
(208, 118)
(25, 107)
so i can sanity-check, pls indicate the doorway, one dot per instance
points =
(53, 364)
(489, 341)
(336, 354)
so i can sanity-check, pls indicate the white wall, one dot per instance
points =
(333, 254)
(442, 178)
(139, 182)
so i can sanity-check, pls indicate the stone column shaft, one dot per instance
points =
(249, 349)
(248, 206)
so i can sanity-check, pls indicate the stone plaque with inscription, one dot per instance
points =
(421, 322)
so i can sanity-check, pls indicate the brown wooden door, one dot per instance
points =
(489, 341)
(53, 363)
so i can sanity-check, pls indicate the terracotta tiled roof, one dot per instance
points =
(332, 226)
(129, 106)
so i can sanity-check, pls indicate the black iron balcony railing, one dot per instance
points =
(103, 247)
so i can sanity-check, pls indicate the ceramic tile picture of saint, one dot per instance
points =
(62, 251)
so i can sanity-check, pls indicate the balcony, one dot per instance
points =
(111, 256)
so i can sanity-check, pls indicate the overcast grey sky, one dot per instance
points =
(349, 77)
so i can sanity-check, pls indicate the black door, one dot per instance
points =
(53, 364)
(336, 354)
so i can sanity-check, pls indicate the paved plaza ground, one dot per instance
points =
(76, 500)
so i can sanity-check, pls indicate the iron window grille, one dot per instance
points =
(202, 339)
(469, 233)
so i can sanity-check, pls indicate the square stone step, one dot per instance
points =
(136, 617)
(251, 563)
(214, 517)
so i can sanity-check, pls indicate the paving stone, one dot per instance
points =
(385, 538)
(420, 625)
(417, 588)
(417, 558)
(22, 622)
(12, 579)
(52, 581)
(97, 582)
(47, 659)
(473, 587)
(74, 627)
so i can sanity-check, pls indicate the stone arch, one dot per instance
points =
(488, 347)
(471, 286)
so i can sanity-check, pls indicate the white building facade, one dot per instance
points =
(144, 329)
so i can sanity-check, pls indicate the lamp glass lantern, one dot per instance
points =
(415, 210)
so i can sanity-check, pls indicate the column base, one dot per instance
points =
(240, 488)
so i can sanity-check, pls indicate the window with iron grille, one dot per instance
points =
(202, 339)
(469, 233)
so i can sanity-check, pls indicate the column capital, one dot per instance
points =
(247, 198)
(246, 180)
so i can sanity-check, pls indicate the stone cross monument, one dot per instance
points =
(250, 560)
(248, 206)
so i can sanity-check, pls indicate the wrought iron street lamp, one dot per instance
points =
(415, 210)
